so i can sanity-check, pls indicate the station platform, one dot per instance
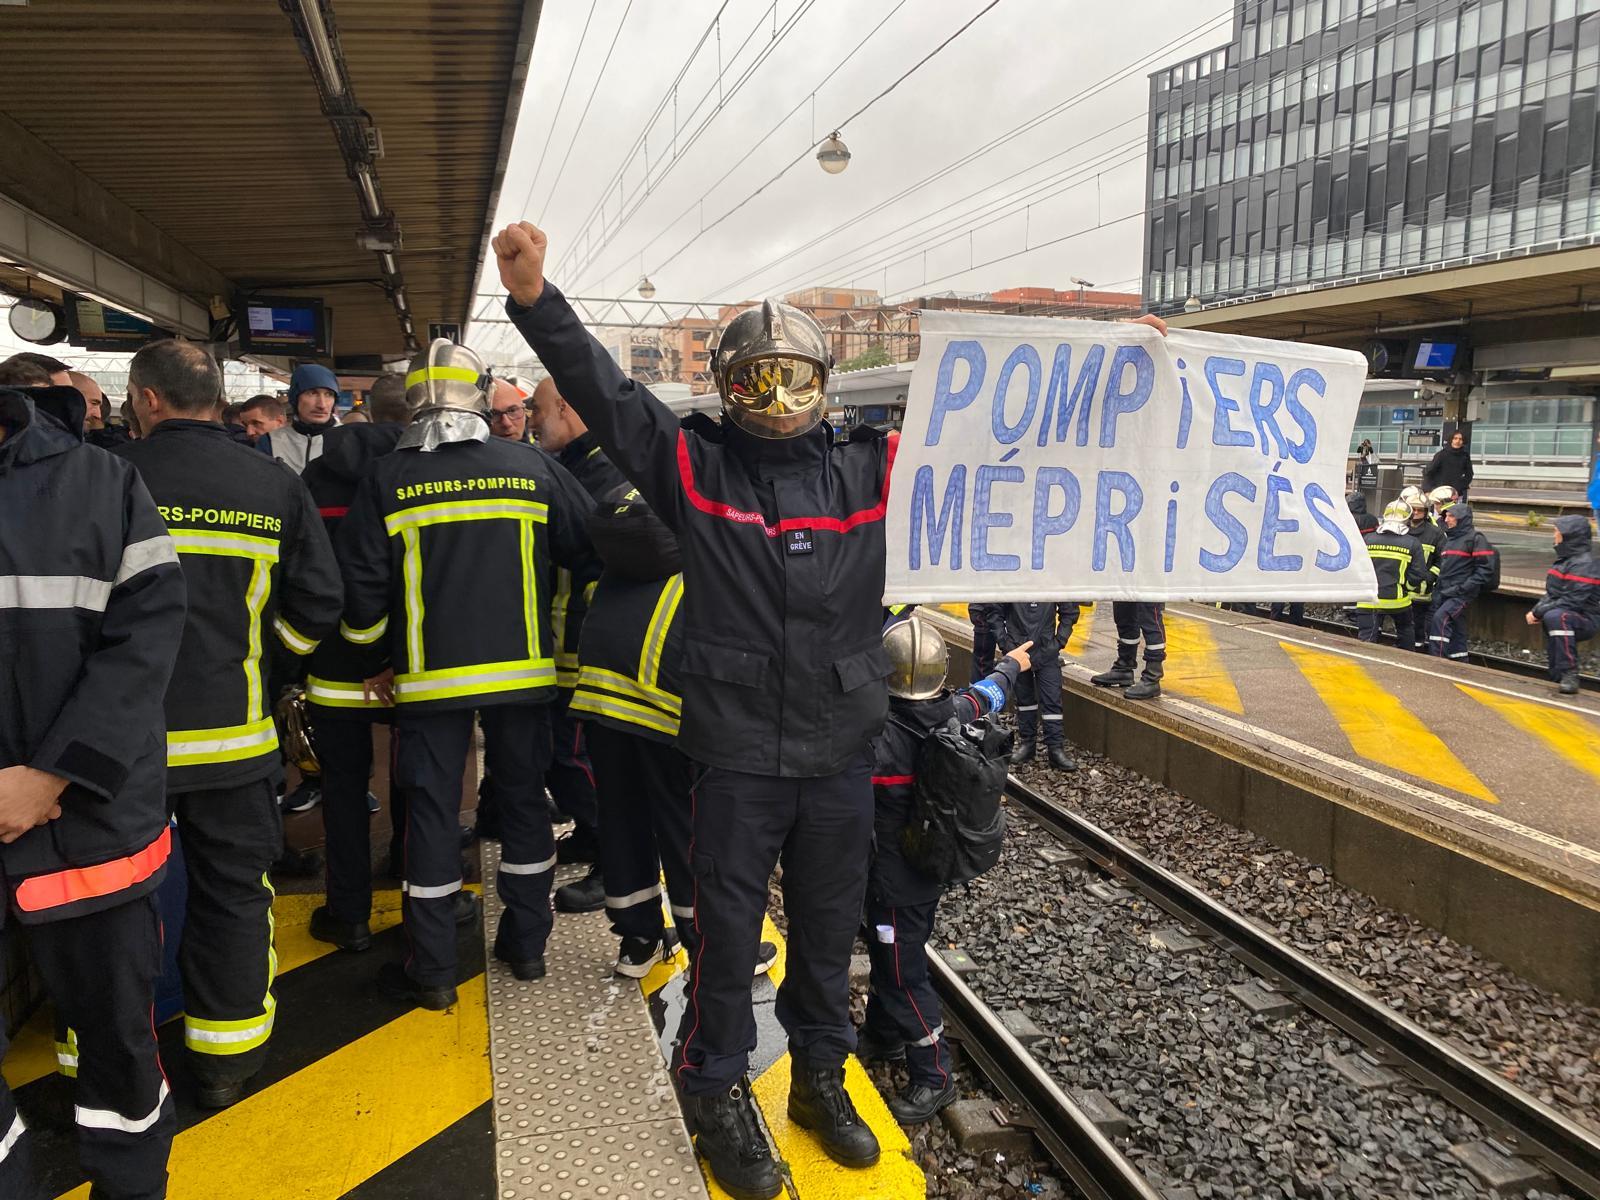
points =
(551, 1089)
(1458, 793)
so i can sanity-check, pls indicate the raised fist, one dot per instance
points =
(519, 253)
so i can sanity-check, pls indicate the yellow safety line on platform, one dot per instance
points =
(1574, 738)
(1078, 643)
(815, 1175)
(335, 1124)
(1194, 666)
(1379, 726)
(291, 917)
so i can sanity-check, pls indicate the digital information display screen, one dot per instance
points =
(94, 321)
(289, 325)
(1435, 356)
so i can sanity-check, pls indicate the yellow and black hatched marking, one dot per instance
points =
(361, 1097)
(811, 1174)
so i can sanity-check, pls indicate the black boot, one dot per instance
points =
(394, 981)
(466, 910)
(1022, 752)
(347, 935)
(874, 1047)
(818, 1102)
(1569, 684)
(920, 1103)
(727, 1135)
(1120, 675)
(1059, 760)
(1147, 688)
(586, 895)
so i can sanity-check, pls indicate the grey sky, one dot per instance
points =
(1017, 61)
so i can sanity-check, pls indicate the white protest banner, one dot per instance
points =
(1081, 460)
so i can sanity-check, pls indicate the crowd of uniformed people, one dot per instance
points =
(673, 629)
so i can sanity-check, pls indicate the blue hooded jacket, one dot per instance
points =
(1573, 582)
(1467, 562)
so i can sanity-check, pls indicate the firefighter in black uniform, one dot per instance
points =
(903, 1015)
(342, 710)
(1136, 620)
(258, 565)
(1401, 566)
(781, 529)
(1047, 627)
(448, 555)
(1420, 525)
(91, 614)
(557, 430)
(984, 649)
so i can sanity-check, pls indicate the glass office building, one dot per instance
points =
(1333, 140)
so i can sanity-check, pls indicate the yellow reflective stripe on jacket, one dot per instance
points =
(331, 693)
(1399, 602)
(601, 704)
(624, 685)
(235, 545)
(481, 680)
(255, 600)
(449, 511)
(191, 747)
(364, 637)
(292, 637)
(411, 572)
(655, 637)
(455, 374)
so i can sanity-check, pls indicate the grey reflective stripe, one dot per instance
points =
(1027, 708)
(538, 868)
(1052, 716)
(1128, 641)
(12, 1137)
(1563, 633)
(632, 898)
(682, 910)
(54, 591)
(141, 556)
(419, 892)
(105, 1118)
(1155, 645)
(938, 1032)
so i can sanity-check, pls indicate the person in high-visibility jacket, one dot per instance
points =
(91, 614)
(1401, 566)
(1432, 537)
(449, 554)
(258, 565)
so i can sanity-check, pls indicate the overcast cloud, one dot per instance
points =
(1016, 62)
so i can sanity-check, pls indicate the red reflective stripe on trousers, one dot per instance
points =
(892, 780)
(85, 883)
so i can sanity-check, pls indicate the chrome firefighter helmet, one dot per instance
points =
(295, 724)
(447, 377)
(771, 365)
(1414, 499)
(1396, 517)
(1442, 497)
(918, 659)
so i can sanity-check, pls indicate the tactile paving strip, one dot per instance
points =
(582, 1101)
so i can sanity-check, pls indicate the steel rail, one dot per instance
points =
(1529, 1127)
(1071, 1139)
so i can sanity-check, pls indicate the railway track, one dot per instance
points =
(1525, 1127)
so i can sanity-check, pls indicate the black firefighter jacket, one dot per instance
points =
(893, 880)
(1047, 624)
(587, 463)
(259, 566)
(91, 613)
(1466, 564)
(1401, 565)
(1573, 582)
(783, 562)
(337, 668)
(449, 563)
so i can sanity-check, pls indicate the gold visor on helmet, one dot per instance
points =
(774, 391)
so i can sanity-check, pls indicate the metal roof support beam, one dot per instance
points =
(41, 180)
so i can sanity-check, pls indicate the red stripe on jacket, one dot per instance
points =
(58, 888)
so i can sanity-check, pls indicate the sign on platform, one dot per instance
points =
(450, 331)
(1079, 460)
(1402, 416)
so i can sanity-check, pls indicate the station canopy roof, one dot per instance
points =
(1513, 288)
(188, 140)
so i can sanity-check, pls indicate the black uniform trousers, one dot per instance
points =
(432, 752)
(821, 831)
(1136, 620)
(1039, 696)
(1369, 625)
(902, 1006)
(231, 837)
(984, 648)
(344, 747)
(1421, 619)
(570, 777)
(643, 788)
(1447, 628)
(1564, 628)
(100, 972)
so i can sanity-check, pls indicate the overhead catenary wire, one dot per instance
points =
(587, 104)
(560, 103)
(810, 98)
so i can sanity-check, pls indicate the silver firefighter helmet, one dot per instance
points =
(1396, 517)
(771, 365)
(446, 376)
(918, 659)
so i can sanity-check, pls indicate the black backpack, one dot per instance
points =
(957, 825)
(1494, 579)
